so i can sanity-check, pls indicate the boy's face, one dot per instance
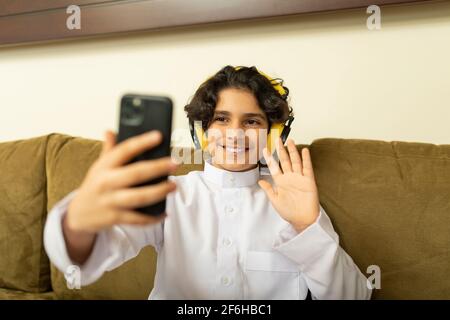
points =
(236, 131)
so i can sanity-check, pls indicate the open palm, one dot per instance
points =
(294, 194)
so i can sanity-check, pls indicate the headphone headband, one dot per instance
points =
(273, 81)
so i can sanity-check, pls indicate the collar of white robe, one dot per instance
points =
(231, 179)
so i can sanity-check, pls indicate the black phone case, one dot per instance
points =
(140, 114)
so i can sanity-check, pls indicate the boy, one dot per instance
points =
(229, 232)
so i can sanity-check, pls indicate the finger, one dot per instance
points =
(141, 196)
(307, 164)
(284, 156)
(136, 218)
(267, 187)
(109, 142)
(295, 157)
(139, 172)
(130, 148)
(273, 166)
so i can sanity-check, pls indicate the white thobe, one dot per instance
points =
(222, 239)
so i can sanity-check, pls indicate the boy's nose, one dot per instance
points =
(235, 125)
(235, 137)
(234, 133)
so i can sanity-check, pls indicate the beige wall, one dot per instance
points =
(345, 81)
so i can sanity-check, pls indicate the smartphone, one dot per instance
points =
(140, 114)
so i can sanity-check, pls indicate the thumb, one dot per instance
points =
(267, 187)
(109, 142)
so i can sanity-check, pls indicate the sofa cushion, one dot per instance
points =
(24, 265)
(7, 294)
(390, 204)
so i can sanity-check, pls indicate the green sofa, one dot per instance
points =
(389, 202)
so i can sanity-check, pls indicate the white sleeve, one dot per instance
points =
(112, 247)
(329, 271)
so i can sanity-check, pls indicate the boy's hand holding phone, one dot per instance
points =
(128, 183)
(107, 196)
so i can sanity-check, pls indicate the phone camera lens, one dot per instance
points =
(132, 112)
(137, 102)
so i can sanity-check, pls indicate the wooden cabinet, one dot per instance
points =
(24, 21)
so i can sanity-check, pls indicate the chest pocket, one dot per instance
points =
(270, 275)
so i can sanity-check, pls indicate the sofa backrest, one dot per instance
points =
(390, 204)
(24, 265)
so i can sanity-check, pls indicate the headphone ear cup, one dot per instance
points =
(276, 130)
(204, 140)
(197, 135)
(201, 138)
(285, 134)
(193, 135)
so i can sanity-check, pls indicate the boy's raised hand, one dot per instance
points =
(294, 195)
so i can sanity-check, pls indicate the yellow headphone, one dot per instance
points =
(276, 129)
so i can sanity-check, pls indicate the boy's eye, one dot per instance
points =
(253, 122)
(221, 119)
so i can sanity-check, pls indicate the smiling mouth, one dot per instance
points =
(234, 149)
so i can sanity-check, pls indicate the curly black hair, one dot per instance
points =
(203, 103)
